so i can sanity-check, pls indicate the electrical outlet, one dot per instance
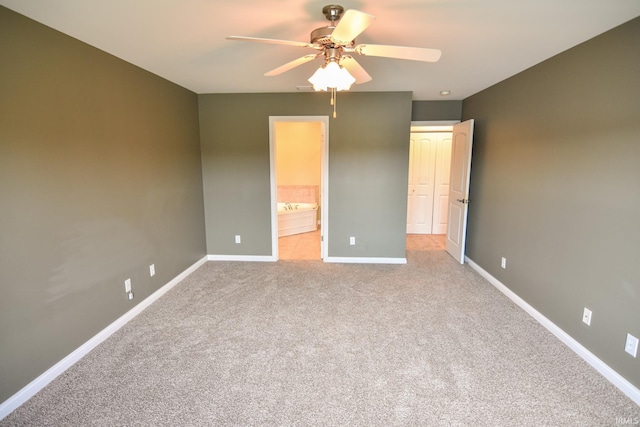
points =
(152, 270)
(238, 238)
(127, 288)
(586, 316)
(631, 345)
(352, 240)
(503, 263)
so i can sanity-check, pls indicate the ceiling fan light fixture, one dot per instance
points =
(331, 76)
(337, 43)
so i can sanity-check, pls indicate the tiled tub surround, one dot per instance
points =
(297, 209)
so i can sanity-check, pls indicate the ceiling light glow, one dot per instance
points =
(331, 76)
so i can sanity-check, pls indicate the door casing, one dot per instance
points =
(324, 191)
(431, 127)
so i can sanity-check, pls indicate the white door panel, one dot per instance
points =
(421, 184)
(441, 186)
(441, 213)
(429, 169)
(461, 148)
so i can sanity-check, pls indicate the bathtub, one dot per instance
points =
(295, 218)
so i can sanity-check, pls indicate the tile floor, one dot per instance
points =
(307, 245)
(300, 246)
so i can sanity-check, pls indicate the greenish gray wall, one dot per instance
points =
(436, 110)
(368, 170)
(99, 177)
(555, 188)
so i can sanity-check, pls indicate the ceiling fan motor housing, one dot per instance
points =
(322, 36)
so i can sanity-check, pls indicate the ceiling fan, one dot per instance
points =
(336, 43)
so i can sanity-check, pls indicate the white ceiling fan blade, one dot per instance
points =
(399, 52)
(271, 41)
(350, 26)
(289, 65)
(355, 69)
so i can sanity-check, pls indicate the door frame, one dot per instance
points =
(431, 126)
(324, 180)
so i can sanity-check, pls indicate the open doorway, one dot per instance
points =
(299, 149)
(428, 185)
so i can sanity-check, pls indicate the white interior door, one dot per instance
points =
(461, 145)
(441, 183)
(421, 183)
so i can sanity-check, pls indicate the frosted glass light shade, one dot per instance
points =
(331, 76)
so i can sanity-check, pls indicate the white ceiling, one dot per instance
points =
(482, 41)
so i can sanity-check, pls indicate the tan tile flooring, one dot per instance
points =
(307, 245)
(300, 246)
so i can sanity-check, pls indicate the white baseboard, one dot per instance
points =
(365, 260)
(615, 378)
(255, 258)
(346, 260)
(39, 383)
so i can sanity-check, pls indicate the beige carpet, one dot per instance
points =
(429, 343)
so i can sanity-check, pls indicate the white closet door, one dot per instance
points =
(441, 187)
(421, 183)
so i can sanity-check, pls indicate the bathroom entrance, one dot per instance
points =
(298, 185)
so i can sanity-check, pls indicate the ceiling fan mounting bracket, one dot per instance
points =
(321, 37)
(333, 12)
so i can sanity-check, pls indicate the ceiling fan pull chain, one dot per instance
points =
(334, 100)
